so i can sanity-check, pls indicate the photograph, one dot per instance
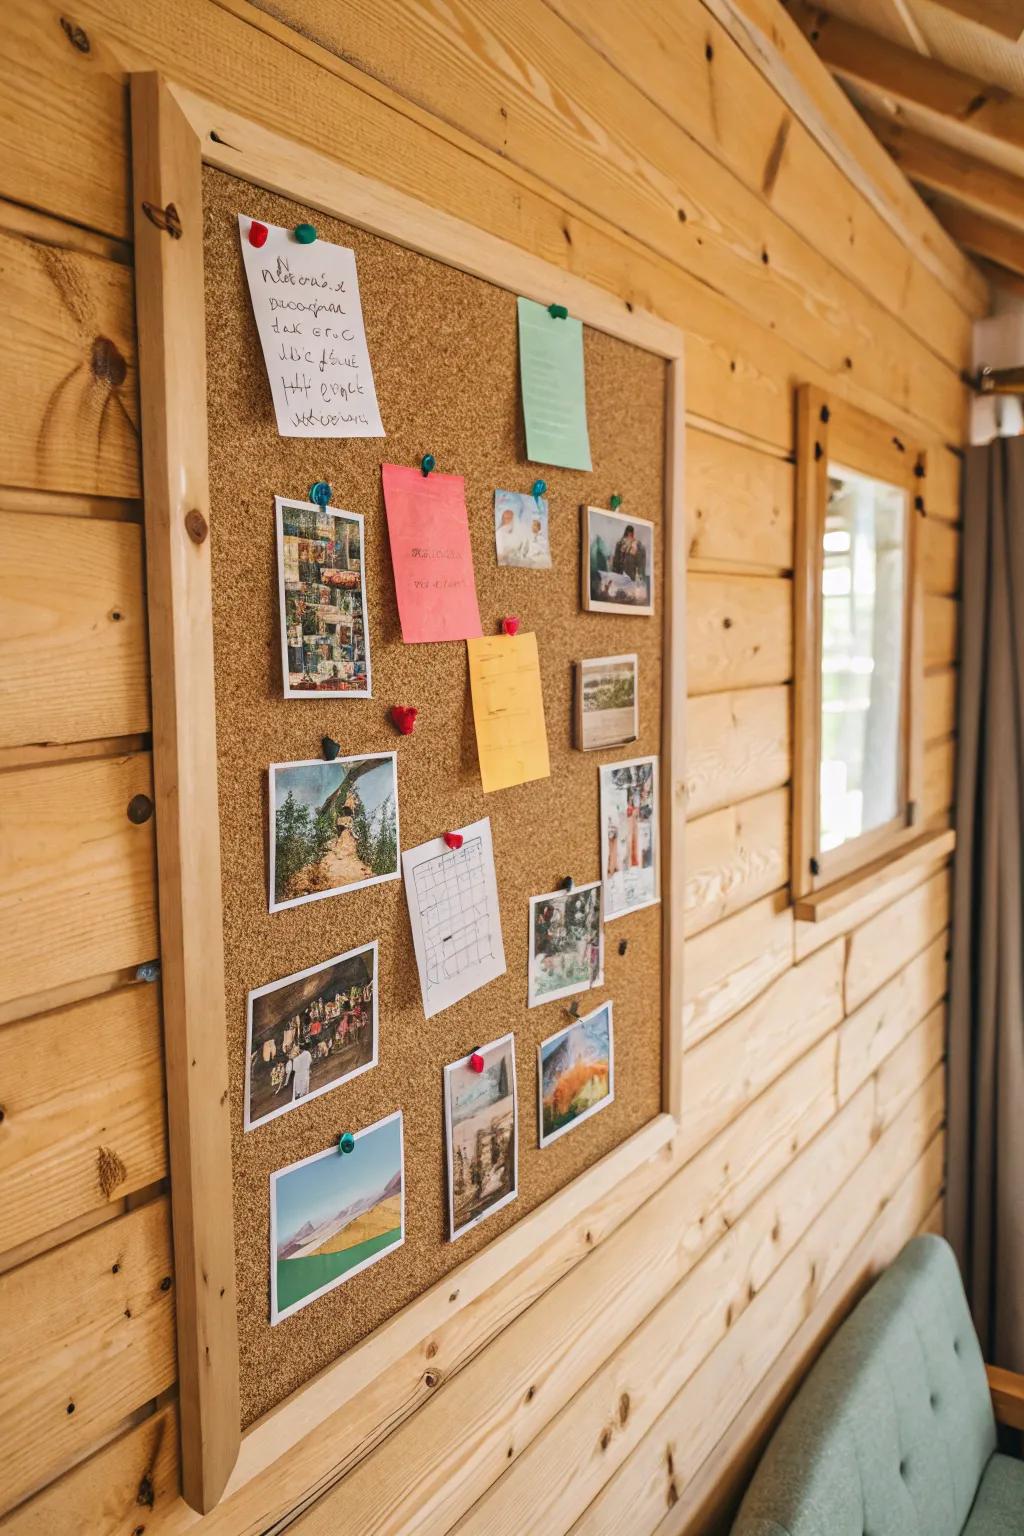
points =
(629, 835)
(607, 707)
(521, 530)
(333, 827)
(325, 636)
(310, 1032)
(334, 1214)
(481, 1120)
(618, 562)
(566, 943)
(575, 1074)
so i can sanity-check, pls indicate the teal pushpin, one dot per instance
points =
(320, 492)
(558, 312)
(305, 234)
(539, 489)
(427, 463)
(346, 1143)
(615, 501)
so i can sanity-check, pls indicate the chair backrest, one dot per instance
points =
(891, 1431)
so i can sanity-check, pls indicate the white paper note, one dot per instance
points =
(453, 908)
(306, 302)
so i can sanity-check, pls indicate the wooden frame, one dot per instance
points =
(174, 133)
(832, 431)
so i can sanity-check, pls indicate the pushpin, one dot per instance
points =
(305, 234)
(331, 747)
(346, 1142)
(476, 1061)
(623, 946)
(615, 501)
(320, 492)
(258, 234)
(568, 884)
(403, 717)
(539, 489)
(573, 1010)
(427, 464)
(453, 839)
(558, 312)
(510, 626)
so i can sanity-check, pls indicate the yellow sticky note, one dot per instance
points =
(508, 707)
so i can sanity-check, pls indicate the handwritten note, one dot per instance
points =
(306, 302)
(508, 708)
(430, 554)
(553, 386)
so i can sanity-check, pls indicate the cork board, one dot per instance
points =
(445, 361)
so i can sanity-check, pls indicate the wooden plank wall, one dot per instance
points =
(630, 1389)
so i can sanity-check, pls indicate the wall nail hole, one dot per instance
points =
(77, 36)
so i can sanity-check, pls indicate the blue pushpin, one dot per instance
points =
(427, 463)
(320, 492)
(539, 489)
(346, 1142)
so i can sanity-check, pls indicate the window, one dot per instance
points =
(857, 668)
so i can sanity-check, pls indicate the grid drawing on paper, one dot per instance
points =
(455, 915)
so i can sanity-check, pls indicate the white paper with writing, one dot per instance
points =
(306, 302)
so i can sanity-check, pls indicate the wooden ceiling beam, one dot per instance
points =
(1004, 17)
(902, 77)
(960, 177)
(996, 242)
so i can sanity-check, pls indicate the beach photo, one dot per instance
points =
(309, 1033)
(575, 1074)
(333, 827)
(566, 943)
(629, 835)
(334, 1214)
(521, 530)
(482, 1132)
(618, 562)
(325, 636)
(607, 707)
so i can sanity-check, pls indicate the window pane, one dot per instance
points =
(863, 603)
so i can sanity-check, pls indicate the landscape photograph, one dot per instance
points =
(334, 1214)
(576, 1074)
(333, 827)
(482, 1129)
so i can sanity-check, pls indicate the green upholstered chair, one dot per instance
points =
(893, 1433)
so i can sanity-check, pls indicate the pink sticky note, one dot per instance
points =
(431, 555)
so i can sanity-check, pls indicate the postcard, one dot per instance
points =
(309, 1033)
(607, 705)
(629, 835)
(333, 827)
(566, 943)
(508, 710)
(575, 1074)
(325, 637)
(452, 895)
(334, 1214)
(618, 562)
(482, 1131)
(521, 530)
(305, 299)
(430, 554)
(553, 387)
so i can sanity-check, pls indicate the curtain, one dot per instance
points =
(985, 1175)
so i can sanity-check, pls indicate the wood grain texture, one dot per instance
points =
(739, 504)
(730, 963)
(875, 1029)
(83, 1124)
(739, 746)
(887, 942)
(739, 632)
(73, 654)
(735, 855)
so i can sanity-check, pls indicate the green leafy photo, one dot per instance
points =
(334, 827)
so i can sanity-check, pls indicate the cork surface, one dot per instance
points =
(444, 353)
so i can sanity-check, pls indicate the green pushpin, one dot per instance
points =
(615, 501)
(347, 1142)
(427, 463)
(558, 312)
(305, 234)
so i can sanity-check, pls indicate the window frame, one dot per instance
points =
(830, 431)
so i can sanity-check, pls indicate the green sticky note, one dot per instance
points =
(554, 390)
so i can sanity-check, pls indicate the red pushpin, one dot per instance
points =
(453, 839)
(258, 234)
(510, 626)
(404, 718)
(476, 1061)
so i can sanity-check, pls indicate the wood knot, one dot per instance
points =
(196, 526)
(146, 1494)
(140, 809)
(623, 1407)
(164, 218)
(165, 1283)
(77, 36)
(107, 362)
(606, 1439)
(111, 1171)
(430, 1379)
